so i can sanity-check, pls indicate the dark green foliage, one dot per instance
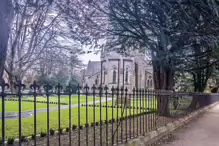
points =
(67, 129)
(92, 124)
(33, 136)
(10, 140)
(81, 127)
(52, 132)
(43, 134)
(74, 127)
(23, 138)
(61, 130)
(97, 123)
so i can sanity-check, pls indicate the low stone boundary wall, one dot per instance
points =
(152, 136)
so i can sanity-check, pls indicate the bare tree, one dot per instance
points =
(37, 29)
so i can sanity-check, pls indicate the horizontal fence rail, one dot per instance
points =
(92, 116)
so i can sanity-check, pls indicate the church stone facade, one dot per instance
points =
(131, 71)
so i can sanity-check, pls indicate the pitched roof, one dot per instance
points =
(93, 67)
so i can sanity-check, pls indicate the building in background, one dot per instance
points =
(132, 71)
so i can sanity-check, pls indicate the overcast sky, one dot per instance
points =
(91, 57)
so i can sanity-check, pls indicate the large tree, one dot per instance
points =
(161, 26)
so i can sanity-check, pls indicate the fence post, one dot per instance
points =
(20, 86)
(3, 86)
(34, 87)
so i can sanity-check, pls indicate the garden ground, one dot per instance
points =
(93, 114)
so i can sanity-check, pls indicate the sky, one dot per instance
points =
(91, 57)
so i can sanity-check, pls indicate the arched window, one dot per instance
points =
(114, 76)
(96, 81)
(126, 75)
(151, 83)
(104, 77)
(148, 82)
(145, 79)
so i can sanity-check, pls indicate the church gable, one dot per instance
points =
(93, 67)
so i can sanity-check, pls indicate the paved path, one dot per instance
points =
(27, 114)
(204, 131)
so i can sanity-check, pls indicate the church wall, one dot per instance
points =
(111, 64)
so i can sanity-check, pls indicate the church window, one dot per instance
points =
(114, 76)
(151, 83)
(126, 75)
(96, 81)
(104, 77)
(145, 79)
(148, 82)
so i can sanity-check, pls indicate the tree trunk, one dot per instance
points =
(164, 83)
(200, 77)
(6, 16)
(163, 80)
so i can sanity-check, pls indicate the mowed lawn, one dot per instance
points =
(13, 106)
(144, 103)
(63, 99)
(28, 123)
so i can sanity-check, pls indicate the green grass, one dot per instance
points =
(12, 106)
(135, 103)
(28, 123)
(63, 99)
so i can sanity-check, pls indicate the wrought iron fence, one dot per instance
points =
(94, 116)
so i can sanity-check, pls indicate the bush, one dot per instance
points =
(67, 129)
(33, 136)
(110, 121)
(23, 138)
(74, 127)
(61, 131)
(81, 127)
(92, 124)
(52, 132)
(106, 122)
(86, 125)
(0, 141)
(42, 134)
(10, 140)
(97, 123)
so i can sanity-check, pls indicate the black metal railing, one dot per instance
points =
(93, 116)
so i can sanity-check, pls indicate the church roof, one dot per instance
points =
(93, 67)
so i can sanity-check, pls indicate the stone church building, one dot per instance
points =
(132, 71)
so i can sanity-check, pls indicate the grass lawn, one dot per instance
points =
(136, 103)
(63, 99)
(28, 123)
(12, 106)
